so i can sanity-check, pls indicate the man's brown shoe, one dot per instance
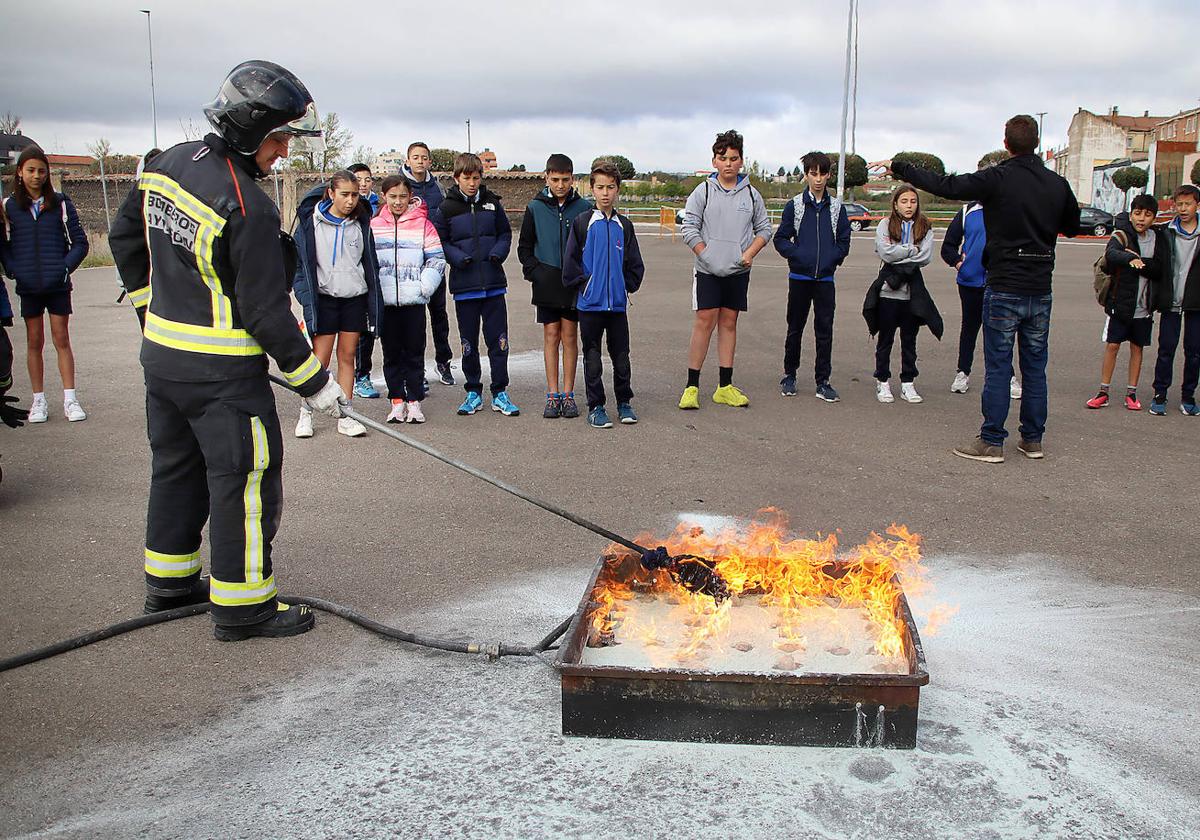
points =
(981, 450)
(1031, 449)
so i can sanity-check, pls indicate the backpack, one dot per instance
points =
(1102, 280)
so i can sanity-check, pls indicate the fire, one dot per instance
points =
(796, 577)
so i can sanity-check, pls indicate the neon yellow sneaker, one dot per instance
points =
(690, 398)
(730, 395)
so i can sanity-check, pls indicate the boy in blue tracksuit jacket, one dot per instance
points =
(962, 250)
(476, 237)
(814, 237)
(603, 260)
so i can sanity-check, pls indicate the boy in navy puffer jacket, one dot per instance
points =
(603, 260)
(476, 237)
(814, 237)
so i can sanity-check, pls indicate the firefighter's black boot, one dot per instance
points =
(290, 620)
(159, 600)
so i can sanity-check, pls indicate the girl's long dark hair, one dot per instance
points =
(895, 223)
(24, 199)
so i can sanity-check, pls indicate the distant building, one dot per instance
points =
(1174, 152)
(488, 157)
(11, 146)
(71, 164)
(389, 163)
(1098, 139)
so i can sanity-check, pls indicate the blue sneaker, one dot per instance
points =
(825, 392)
(625, 412)
(363, 388)
(501, 403)
(1158, 405)
(471, 404)
(567, 403)
(1190, 409)
(598, 418)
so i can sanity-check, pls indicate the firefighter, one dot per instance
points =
(198, 246)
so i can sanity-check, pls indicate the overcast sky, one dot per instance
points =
(654, 81)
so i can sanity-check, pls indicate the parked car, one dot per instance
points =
(860, 217)
(1095, 221)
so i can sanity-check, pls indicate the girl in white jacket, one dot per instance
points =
(411, 267)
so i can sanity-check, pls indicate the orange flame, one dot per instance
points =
(791, 576)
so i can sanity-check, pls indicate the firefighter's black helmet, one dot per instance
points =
(259, 98)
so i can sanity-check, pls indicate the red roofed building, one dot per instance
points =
(71, 164)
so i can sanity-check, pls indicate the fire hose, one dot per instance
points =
(697, 574)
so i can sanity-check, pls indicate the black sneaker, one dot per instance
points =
(567, 406)
(157, 602)
(825, 392)
(290, 620)
(553, 407)
(444, 374)
(787, 385)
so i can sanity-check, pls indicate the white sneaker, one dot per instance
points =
(1014, 388)
(398, 414)
(960, 384)
(883, 392)
(38, 412)
(350, 427)
(908, 392)
(74, 411)
(413, 410)
(304, 424)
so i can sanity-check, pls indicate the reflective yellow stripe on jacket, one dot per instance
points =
(140, 298)
(302, 374)
(209, 227)
(194, 339)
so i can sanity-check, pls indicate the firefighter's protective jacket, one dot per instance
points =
(197, 245)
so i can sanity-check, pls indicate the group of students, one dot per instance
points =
(1153, 268)
(371, 263)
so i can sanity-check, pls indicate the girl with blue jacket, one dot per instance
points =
(43, 244)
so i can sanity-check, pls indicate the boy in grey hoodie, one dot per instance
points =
(725, 223)
(1180, 304)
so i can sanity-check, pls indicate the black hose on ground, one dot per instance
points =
(493, 650)
(100, 635)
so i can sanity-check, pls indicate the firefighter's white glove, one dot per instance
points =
(329, 399)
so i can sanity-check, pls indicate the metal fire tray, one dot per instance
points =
(670, 704)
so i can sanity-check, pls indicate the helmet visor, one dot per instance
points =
(304, 131)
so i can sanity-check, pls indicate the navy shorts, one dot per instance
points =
(34, 304)
(554, 314)
(712, 292)
(1136, 331)
(335, 314)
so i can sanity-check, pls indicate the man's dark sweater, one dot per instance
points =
(1025, 207)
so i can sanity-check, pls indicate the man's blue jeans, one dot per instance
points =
(1025, 321)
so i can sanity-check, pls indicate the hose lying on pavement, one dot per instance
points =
(492, 650)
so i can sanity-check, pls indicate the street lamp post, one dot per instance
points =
(468, 136)
(153, 104)
(1040, 114)
(841, 179)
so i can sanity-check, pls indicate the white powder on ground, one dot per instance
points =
(1057, 707)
